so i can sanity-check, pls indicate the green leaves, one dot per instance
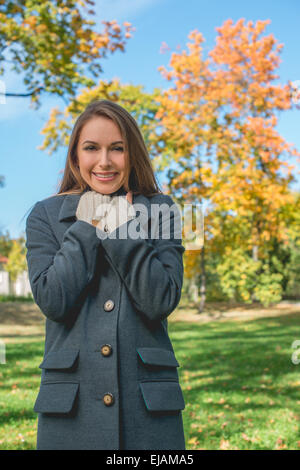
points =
(58, 47)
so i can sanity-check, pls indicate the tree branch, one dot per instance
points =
(22, 94)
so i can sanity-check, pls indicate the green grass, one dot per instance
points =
(15, 298)
(19, 383)
(241, 389)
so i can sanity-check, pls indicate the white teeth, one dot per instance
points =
(105, 176)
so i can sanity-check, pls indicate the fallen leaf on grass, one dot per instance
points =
(280, 444)
(193, 440)
(224, 445)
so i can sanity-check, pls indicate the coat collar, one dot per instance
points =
(71, 201)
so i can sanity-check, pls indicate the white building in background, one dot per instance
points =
(21, 287)
(4, 283)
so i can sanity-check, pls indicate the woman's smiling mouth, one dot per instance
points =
(105, 176)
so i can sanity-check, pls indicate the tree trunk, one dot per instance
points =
(194, 294)
(203, 283)
(11, 286)
(255, 258)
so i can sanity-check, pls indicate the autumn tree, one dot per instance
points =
(55, 45)
(16, 263)
(219, 127)
(5, 243)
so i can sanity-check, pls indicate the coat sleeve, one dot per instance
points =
(59, 274)
(152, 274)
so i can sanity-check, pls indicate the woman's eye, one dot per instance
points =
(91, 147)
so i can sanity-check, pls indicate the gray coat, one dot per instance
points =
(109, 376)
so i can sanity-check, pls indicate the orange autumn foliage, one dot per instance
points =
(218, 123)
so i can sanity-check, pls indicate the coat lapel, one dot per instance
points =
(68, 207)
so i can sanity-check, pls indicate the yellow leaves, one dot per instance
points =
(84, 47)
(116, 28)
(63, 10)
(15, 8)
(280, 444)
(14, 389)
(41, 28)
(30, 21)
(295, 384)
(193, 441)
(249, 439)
(101, 41)
(224, 444)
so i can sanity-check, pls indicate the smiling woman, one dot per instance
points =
(109, 374)
(106, 139)
(101, 160)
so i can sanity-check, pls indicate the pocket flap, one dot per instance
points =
(56, 397)
(161, 395)
(158, 357)
(62, 359)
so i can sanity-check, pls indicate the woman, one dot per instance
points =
(109, 374)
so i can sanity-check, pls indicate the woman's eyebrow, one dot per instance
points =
(113, 143)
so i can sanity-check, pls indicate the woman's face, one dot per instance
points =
(101, 155)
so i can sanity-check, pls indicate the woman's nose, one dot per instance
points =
(103, 157)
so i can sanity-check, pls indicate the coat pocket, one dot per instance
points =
(162, 395)
(56, 397)
(158, 357)
(157, 363)
(60, 365)
(62, 359)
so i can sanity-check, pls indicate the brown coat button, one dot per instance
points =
(109, 305)
(106, 350)
(108, 399)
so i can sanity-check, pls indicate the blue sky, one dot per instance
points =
(32, 175)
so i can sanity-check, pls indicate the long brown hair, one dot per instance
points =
(139, 172)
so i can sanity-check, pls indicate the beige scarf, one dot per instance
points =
(105, 211)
